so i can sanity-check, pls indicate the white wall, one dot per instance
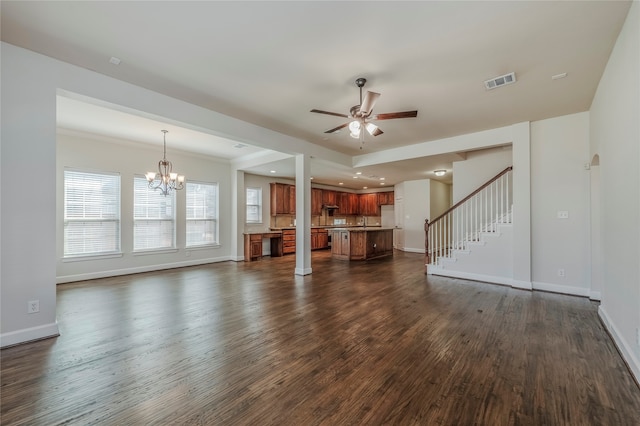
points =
(560, 182)
(615, 137)
(30, 83)
(28, 224)
(478, 168)
(413, 209)
(95, 153)
(439, 198)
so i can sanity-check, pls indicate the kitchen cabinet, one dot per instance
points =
(362, 243)
(385, 198)
(348, 203)
(368, 205)
(319, 238)
(252, 247)
(288, 241)
(292, 199)
(329, 198)
(340, 244)
(283, 199)
(316, 201)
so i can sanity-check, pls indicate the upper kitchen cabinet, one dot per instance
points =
(347, 203)
(385, 198)
(316, 201)
(368, 204)
(283, 199)
(330, 198)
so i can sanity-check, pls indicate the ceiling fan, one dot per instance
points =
(361, 117)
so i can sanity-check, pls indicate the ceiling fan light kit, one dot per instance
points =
(361, 115)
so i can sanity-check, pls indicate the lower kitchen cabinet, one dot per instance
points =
(288, 241)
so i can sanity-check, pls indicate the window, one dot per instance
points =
(91, 213)
(254, 205)
(202, 214)
(153, 217)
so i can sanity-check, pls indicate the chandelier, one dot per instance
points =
(165, 180)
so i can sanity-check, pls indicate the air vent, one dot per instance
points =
(503, 80)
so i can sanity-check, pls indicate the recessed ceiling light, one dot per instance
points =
(114, 60)
(311, 177)
(358, 173)
(382, 178)
(382, 183)
(364, 187)
(272, 171)
(558, 76)
(340, 183)
(440, 172)
(355, 177)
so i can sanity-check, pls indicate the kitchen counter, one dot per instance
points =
(361, 243)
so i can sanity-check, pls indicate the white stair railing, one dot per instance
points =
(481, 211)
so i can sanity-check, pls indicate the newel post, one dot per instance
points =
(427, 258)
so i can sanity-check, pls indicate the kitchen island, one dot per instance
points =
(361, 243)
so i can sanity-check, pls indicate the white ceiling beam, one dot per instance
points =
(468, 142)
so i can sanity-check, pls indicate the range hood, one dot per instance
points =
(330, 208)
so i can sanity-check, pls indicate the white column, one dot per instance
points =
(238, 213)
(303, 214)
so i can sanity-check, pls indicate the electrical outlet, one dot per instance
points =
(561, 272)
(33, 306)
(563, 214)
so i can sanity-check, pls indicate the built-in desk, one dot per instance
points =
(253, 244)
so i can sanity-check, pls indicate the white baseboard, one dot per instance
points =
(29, 334)
(595, 295)
(471, 276)
(621, 343)
(523, 285)
(138, 269)
(411, 250)
(237, 258)
(563, 289)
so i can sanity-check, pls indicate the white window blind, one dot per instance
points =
(254, 205)
(91, 213)
(202, 214)
(153, 217)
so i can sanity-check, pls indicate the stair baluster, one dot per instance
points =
(464, 222)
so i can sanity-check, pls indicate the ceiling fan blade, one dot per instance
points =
(368, 102)
(330, 113)
(373, 129)
(392, 115)
(335, 129)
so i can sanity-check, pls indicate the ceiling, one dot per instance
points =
(270, 63)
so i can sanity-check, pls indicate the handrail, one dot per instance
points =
(489, 182)
(478, 213)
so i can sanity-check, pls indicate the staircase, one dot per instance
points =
(473, 238)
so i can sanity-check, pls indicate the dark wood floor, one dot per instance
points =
(353, 343)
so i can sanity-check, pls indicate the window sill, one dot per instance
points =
(154, 251)
(83, 258)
